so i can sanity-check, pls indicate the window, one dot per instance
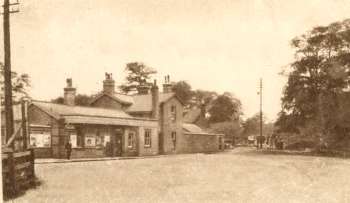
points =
(173, 138)
(90, 141)
(148, 138)
(173, 113)
(73, 138)
(40, 139)
(131, 140)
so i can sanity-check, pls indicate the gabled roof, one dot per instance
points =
(91, 115)
(122, 98)
(137, 102)
(195, 130)
(192, 128)
(143, 103)
(59, 110)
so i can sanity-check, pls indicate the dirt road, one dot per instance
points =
(238, 176)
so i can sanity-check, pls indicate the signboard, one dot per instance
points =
(40, 139)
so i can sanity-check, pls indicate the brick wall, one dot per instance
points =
(148, 150)
(38, 117)
(168, 126)
(199, 143)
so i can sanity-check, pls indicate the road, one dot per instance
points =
(242, 175)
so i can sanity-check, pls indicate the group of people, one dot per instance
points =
(273, 142)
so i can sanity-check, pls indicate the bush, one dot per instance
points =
(301, 145)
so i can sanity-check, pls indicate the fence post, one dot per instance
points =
(32, 166)
(12, 174)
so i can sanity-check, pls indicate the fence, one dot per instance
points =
(18, 171)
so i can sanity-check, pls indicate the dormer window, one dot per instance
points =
(173, 113)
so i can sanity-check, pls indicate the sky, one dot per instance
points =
(223, 46)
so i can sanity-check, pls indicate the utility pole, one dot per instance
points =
(261, 114)
(7, 68)
(260, 137)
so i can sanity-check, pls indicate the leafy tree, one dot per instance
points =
(251, 126)
(20, 84)
(318, 74)
(231, 129)
(224, 108)
(183, 90)
(80, 100)
(138, 74)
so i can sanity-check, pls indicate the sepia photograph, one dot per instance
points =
(175, 101)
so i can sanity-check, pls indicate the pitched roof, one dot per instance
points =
(59, 110)
(195, 130)
(192, 128)
(122, 98)
(143, 103)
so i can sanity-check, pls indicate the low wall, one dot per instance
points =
(200, 143)
(87, 153)
(43, 152)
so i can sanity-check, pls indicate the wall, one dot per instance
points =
(87, 153)
(199, 143)
(107, 102)
(168, 126)
(145, 150)
(38, 117)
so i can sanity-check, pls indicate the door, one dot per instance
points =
(118, 145)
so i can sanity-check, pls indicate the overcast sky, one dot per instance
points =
(224, 45)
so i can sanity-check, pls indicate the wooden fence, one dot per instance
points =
(18, 171)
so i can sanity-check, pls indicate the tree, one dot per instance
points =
(183, 90)
(251, 126)
(138, 74)
(318, 74)
(224, 108)
(20, 84)
(231, 129)
(80, 100)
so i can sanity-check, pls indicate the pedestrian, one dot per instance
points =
(68, 149)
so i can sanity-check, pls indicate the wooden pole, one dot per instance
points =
(12, 174)
(7, 72)
(261, 114)
(25, 128)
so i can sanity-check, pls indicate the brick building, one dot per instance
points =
(167, 109)
(147, 123)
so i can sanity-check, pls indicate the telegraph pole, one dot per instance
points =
(7, 68)
(261, 114)
(260, 137)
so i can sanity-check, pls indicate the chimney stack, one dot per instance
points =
(155, 100)
(69, 93)
(167, 86)
(108, 84)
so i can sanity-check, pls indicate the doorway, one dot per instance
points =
(118, 142)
